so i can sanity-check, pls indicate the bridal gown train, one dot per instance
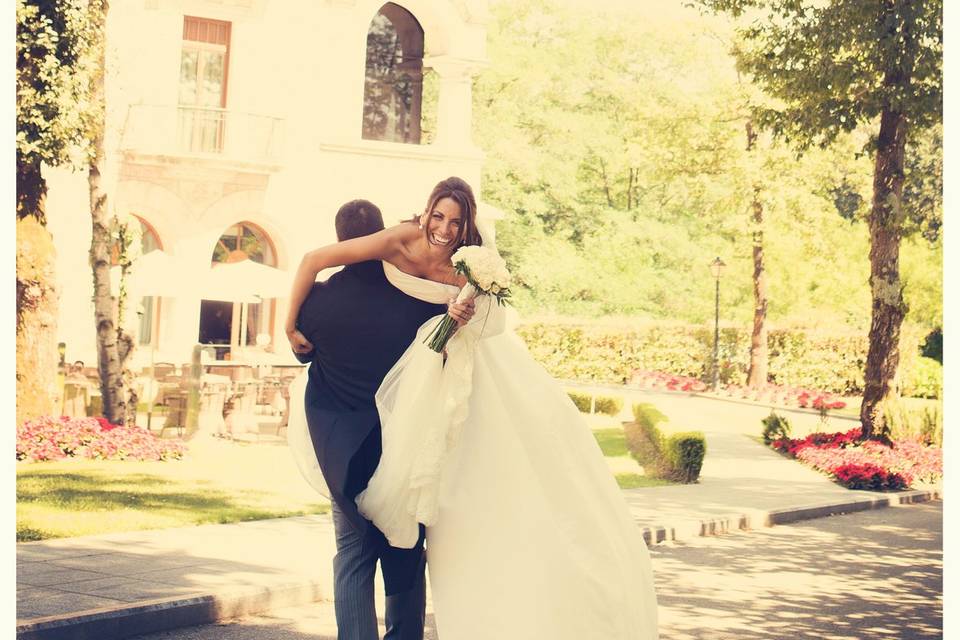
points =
(528, 535)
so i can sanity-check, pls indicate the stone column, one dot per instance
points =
(454, 106)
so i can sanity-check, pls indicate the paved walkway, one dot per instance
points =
(120, 585)
(885, 580)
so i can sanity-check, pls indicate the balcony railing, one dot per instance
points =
(202, 131)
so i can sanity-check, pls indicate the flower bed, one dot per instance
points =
(786, 396)
(777, 394)
(51, 438)
(866, 465)
(670, 382)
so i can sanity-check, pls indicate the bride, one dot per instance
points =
(528, 535)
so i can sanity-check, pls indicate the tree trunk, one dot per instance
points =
(109, 361)
(757, 376)
(897, 22)
(37, 389)
(889, 309)
(606, 185)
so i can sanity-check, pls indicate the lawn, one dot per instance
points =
(613, 444)
(218, 482)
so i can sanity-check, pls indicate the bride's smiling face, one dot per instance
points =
(443, 224)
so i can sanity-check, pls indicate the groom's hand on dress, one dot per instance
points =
(462, 312)
(299, 342)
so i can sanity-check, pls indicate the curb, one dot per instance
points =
(758, 518)
(163, 614)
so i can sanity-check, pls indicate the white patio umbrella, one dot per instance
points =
(246, 277)
(246, 282)
(156, 274)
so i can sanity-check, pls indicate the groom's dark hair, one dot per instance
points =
(358, 218)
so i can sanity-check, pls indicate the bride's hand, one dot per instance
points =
(462, 312)
(299, 342)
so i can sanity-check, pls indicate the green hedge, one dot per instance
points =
(925, 380)
(832, 363)
(684, 454)
(677, 457)
(908, 422)
(609, 405)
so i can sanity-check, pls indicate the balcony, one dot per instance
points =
(204, 134)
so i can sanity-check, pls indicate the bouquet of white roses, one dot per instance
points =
(486, 274)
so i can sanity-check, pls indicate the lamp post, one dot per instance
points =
(716, 268)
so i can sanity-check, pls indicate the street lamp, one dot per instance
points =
(716, 268)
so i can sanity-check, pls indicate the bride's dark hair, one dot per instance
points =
(460, 192)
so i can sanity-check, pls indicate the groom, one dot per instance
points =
(358, 326)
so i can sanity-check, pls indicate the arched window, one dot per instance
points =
(244, 241)
(149, 305)
(236, 324)
(393, 83)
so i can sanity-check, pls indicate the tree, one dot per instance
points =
(837, 65)
(53, 44)
(757, 375)
(109, 236)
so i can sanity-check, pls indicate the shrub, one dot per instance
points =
(644, 439)
(921, 424)
(580, 400)
(50, 438)
(684, 454)
(924, 380)
(608, 405)
(831, 363)
(933, 345)
(677, 457)
(644, 412)
(775, 427)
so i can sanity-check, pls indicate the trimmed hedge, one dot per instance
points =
(684, 454)
(830, 363)
(608, 405)
(677, 456)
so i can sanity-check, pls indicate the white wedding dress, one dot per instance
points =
(528, 535)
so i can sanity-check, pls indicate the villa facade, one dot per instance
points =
(236, 129)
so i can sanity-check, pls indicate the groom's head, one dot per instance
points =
(358, 218)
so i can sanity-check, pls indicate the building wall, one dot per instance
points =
(296, 69)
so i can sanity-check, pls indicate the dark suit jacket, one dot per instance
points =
(359, 325)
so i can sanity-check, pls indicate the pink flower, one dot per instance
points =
(50, 438)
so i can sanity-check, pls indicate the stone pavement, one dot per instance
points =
(880, 577)
(121, 585)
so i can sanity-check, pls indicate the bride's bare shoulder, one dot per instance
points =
(403, 235)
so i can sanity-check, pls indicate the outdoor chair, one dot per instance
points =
(285, 420)
(175, 411)
(213, 396)
(161, 371)
(242, 418)
(76, 398)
